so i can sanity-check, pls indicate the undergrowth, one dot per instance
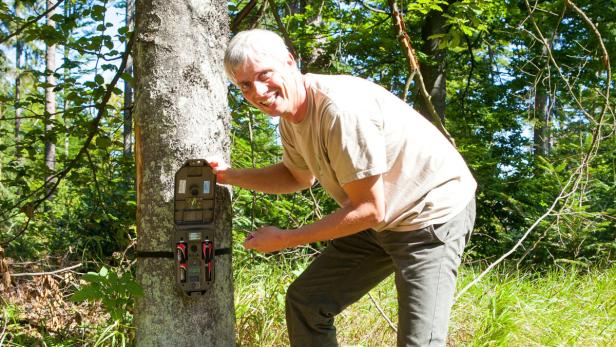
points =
(555, 306)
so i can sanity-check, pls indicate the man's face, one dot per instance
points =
(270, 85)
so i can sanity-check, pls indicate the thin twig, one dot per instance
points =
(6, 322)
(254, 165)
(49, 272)
(376, 304)
(407, 85)
(378, 307)
(516, 246)
(317, 209)
(37, 115)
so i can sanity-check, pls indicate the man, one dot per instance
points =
(406, 196)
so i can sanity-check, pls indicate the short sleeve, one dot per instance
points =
(290, 156)
(356, 145)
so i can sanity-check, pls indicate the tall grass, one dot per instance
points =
(554, 307)
(557, 307)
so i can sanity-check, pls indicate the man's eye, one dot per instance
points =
(244, 86)
(265, 75)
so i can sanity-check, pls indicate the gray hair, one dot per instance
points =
(255, 43)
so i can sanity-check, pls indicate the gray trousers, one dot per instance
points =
(425, 263)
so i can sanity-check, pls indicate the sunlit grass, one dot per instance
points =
(557, 307)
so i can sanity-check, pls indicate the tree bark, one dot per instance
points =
(18, 66)
(67, 73)
(541, 130)
(541, 113)
(50, 102)
(180, 112)
(434, 71)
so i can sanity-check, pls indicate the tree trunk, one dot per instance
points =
(180, 112)
(433, 71)
(541, 131)
(65, 106)
(128, 90)
(18, 66)
(50, 102)
(541, 113)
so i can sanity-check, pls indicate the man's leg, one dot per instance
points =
(341, 275)
(426, 270)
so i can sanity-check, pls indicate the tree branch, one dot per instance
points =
(23, 27)
(404, 39)
(606, 57)
(243, 14)
(373, 9)
(283, 30)
(47, 273)
(96, 185)
(470, 72)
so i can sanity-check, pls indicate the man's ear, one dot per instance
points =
(290, 60)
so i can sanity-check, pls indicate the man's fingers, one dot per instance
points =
(215, 162)
(248, 241)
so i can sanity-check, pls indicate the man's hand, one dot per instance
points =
(220, 168)
(268, 239)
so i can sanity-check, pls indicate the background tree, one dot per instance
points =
(50, 101)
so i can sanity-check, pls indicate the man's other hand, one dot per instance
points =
(267, 239)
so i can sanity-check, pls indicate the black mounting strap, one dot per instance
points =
(221, 251)
(154, 254)
(166, 254)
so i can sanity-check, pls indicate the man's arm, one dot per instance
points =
(365, 209)
(274, 179)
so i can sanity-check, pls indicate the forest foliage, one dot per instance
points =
(526, 88)
(527, 102)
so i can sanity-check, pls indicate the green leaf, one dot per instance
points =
(134, 289)
(57, 17)
(85, 293)
(91, 277)
(109, 43)
(128, 78)
(103, 271)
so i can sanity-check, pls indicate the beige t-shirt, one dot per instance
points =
(355, 129)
